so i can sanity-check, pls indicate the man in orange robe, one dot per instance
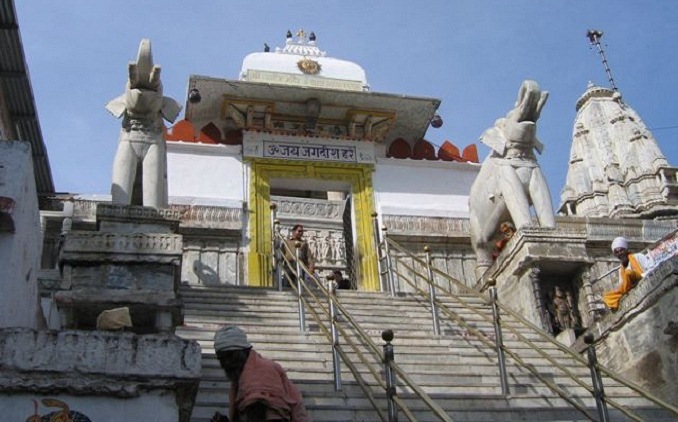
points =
(630, 272)
(260, 389)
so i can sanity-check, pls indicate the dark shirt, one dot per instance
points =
(344, 284)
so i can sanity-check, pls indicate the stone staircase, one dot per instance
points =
(456, 369)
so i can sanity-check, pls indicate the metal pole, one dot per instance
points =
(389, 356)
(380, 256)
(331, 286)
(499, 341)
(597, 381)
(432, 292)
(302, 317)
(389, 267)
(277, 255)
(273, 207)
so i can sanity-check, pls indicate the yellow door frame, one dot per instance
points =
(358, 176)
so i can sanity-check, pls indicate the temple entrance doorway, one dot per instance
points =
(333, 202)
(324, 209)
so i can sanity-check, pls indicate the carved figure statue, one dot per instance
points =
(142, 144)
(561, 309)
(510, 180)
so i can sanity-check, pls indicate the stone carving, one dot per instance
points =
(113, 212)
(563, 309)
(432, 225)
(308, 208)
(142, 108)
(121, 244)
(510, 180)
(326, 246)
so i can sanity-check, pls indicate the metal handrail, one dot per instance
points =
(541, 333)
(434, 407)
(481, 336)
(328, 335)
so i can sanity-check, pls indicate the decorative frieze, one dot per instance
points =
(80, 245)
(293, 208)
(403, 224)
(210, 217)
(138, 214)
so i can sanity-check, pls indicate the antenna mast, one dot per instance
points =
(594, 38)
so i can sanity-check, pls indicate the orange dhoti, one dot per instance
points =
(628, 277)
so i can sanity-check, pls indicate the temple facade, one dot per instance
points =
(302, 131)
(299, 137)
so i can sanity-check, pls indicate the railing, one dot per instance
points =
(388, 245)
(311, 295)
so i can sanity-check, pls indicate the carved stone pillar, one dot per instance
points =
(587, 288)
(539, 299)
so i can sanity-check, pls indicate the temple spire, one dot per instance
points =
(594, 37)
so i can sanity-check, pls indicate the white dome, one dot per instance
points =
(309, 65)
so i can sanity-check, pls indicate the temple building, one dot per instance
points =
(115, 304)
(302, 130)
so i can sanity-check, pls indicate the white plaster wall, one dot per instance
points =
(154, 406)
(19, 251)
(423, 188)
(205, 174)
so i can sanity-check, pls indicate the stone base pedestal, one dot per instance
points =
(533, 264)
(133, 260)
(567, 337)
(101, 375)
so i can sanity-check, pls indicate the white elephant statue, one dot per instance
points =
(142, 143)
(510, 180)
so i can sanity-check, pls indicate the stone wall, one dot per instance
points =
(640, 340)
(20, 237)
(107, 376)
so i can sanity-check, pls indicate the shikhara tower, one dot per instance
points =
(616, 168)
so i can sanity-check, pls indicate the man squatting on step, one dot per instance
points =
(631, 270)
(260, 389)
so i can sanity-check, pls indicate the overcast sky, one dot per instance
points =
(472, 55)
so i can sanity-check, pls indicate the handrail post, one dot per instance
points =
(300, 277)
(389, 356)
(597, 381)
(274, 267)
(377, 248)
(389, 264)
(432, 293)
(277, 256)
(331, 286)
(499, 341)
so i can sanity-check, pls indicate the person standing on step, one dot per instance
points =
(631, 270)
(341, 282)
(260, 389)
(289, 253)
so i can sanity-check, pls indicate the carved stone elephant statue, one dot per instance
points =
(141, 148)
(510, 180)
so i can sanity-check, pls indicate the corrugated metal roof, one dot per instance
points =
(15, 85)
